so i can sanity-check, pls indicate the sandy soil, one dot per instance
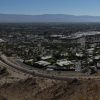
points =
(44, 89)
(13, 75)
(20, 86)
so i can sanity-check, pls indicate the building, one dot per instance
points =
(41, 64)
(85, 39)
(65, 65)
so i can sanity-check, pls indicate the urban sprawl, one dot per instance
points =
(77, 51)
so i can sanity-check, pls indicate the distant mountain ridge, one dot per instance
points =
(47, 18)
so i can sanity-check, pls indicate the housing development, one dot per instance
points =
(49, 49)
(49, 58)
(52, 51)
(82, 56)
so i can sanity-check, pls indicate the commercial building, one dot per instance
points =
(85, 39)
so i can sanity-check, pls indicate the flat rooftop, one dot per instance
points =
(81, 34)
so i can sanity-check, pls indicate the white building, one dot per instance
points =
(86, 39)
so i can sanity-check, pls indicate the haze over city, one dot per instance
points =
(49, 49)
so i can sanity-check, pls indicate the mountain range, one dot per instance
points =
(6, 18)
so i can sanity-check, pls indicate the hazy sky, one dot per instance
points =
(75, 7)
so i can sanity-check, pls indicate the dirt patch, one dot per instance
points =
(46, 89)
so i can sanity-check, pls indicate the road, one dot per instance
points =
(42, 73)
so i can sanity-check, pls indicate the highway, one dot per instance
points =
(42, 73)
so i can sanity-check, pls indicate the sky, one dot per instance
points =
(37, 7)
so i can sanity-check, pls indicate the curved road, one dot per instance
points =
(41, 73)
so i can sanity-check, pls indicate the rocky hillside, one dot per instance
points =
(45, 89)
